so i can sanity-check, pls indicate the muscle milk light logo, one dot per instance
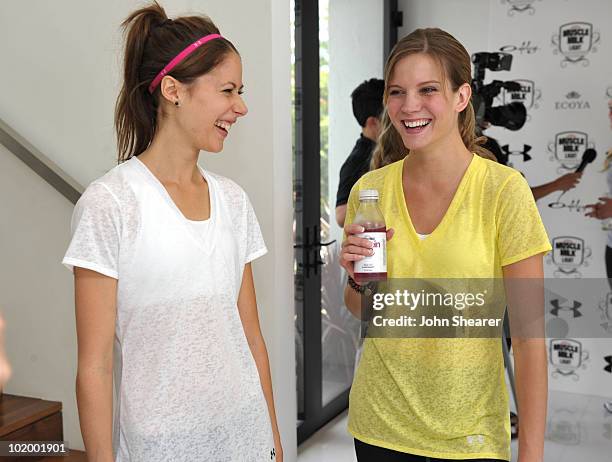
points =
(568, 255)
(520, 6)
(567, 149)
(528, 95)
(564, 427)
(574, 41)
(573, 101)
(566, 357)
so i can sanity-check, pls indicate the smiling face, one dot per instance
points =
(210, 105)
(421, 104)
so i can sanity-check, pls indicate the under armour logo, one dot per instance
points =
(524, 152)
(272, 453)
(557, 307)
(608, 368)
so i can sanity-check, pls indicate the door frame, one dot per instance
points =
(308, 211)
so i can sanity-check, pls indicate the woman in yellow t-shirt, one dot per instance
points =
(451, 212)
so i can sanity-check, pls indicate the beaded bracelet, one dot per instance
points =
(365, 289)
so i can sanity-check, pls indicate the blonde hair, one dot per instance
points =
(455, 61)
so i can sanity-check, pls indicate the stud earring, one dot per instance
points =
(176, 103)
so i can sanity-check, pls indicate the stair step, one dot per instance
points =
(30, 419)
(17, 412)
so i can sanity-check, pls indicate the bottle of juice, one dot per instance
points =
(373, 267)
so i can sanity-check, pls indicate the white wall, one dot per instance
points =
(35, 291)
(467, 20)
(60, 90)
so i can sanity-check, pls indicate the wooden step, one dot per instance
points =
(18, 412)
(29, 419)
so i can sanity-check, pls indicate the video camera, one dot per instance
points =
(511, 116)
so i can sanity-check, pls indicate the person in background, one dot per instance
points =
(602, 210)
(367, 101)
(563, 183)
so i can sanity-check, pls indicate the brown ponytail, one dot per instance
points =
(152, 41)
(456, 63)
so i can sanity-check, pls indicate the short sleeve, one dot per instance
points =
(520, 231)
(349, 174)
(96, 231)
(255, 245)
(352, 204)
(344, 185)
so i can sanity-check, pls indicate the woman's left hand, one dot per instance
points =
(278, 450)
(278, 446)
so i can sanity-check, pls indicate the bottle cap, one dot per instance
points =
(366, 194)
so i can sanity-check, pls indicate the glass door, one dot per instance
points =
(337, 45)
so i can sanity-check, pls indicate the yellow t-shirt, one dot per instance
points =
(445, 397)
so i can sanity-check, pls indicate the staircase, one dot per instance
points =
(32, 419)
(22, 418)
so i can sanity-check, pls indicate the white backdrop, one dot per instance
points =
(562, 52)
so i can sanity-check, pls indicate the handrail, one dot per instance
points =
(41, 164)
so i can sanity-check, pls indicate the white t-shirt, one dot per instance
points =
(186, 384)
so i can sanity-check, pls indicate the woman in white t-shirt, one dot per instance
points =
(161, 251)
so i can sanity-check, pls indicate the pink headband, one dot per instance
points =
(178, 58)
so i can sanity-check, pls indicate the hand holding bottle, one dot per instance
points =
(364, 250)
(355, 248)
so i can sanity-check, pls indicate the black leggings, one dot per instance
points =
(368, 453)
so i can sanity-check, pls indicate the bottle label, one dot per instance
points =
(376, 263)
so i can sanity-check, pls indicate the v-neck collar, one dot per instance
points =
(204, 242)
(450, 211)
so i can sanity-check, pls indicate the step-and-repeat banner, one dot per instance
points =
(562, 59)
